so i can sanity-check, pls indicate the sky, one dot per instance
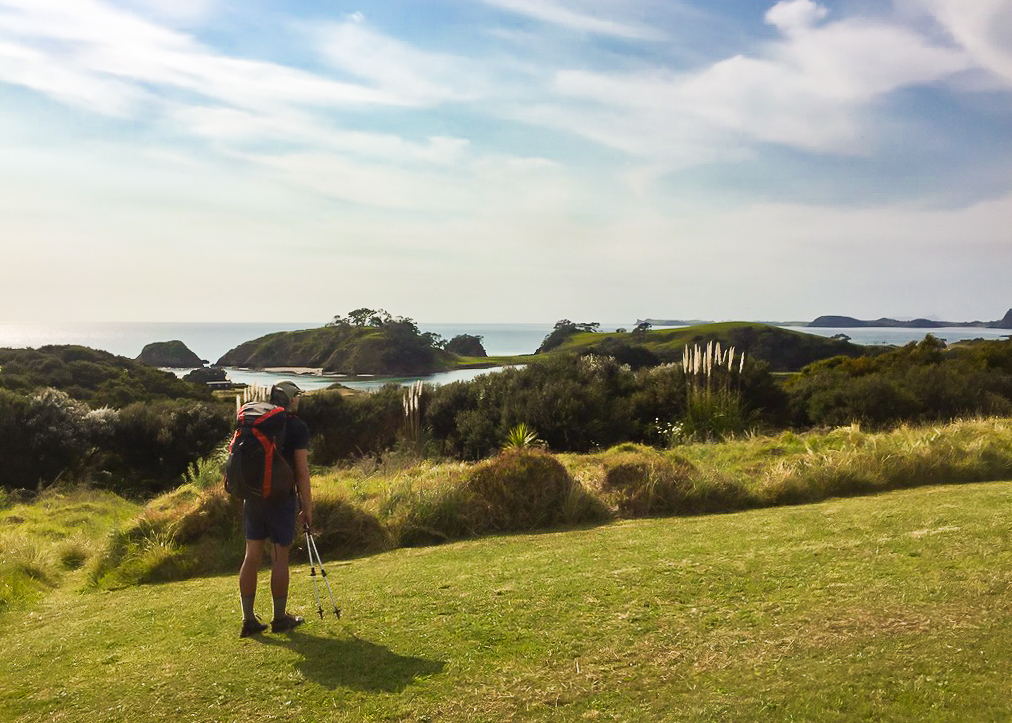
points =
(505, 160)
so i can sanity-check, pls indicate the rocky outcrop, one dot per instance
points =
(205, 375)
(1005, 323)
(169, 354)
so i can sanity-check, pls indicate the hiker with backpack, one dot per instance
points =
(268, 467)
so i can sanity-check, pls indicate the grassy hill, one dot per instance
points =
(372, 350)
(893, 607)
(782, 349)
(391, 350)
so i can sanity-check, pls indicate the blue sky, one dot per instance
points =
(505, 160)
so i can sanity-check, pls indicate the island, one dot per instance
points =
(849, 322)
(174, 354)
(366, 342)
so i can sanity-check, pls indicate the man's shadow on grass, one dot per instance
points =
(350, 662)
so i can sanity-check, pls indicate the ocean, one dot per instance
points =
(210, 340)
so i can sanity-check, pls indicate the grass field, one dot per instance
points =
(892, 607)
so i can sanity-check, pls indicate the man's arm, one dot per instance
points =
(302, 484)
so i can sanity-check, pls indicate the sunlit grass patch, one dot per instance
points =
(51, 535)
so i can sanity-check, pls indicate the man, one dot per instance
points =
(263, 520)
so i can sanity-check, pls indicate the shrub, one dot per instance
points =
(345, 427)
(575, 404)
(636, 356)
(919, 382)
(154, 445)
(42, 438)
(519, 490)
(522, 437)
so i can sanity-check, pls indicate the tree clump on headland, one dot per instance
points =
(366, 341)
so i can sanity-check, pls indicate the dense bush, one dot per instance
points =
(141, 449)
(576, 404)
(153, 445)
(919, 382)
(93, 376)
(636, 356)
(43, 437)
(343, 427)
(573, 404)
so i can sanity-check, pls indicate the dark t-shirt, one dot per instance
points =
(296, 437)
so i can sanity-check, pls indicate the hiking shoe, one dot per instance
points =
(252, 627)
(288, 622)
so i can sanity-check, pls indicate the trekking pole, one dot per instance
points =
(323, 573)
(312, 572)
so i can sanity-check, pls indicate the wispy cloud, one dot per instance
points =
(88, 52)
(579, 16)
(811, 89)
(183, 12)
(398, 68)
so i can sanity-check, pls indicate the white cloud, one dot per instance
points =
(792, 16)
(41, 72)
(982, 27)
(812, 89)
(562, 14)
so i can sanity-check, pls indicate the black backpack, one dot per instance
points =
(255, 467)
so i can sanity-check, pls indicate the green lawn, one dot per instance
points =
(893, 607)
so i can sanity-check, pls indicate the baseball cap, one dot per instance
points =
(284, 392)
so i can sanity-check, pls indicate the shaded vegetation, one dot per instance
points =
(781, 349)
(466, 345)
(76, 414)
(919, 382)
(90, 375)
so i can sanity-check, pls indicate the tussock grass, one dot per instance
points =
(44, 539)
(792, 468)
(643, 482)
(399, 501)
(519, 489)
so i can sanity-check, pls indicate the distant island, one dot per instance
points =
(849, 322)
